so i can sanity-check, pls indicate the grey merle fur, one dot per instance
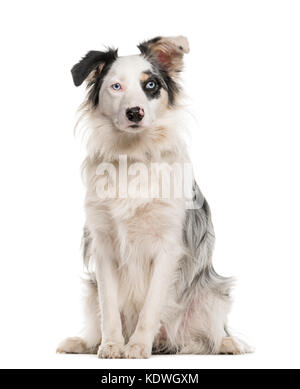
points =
(199, 237)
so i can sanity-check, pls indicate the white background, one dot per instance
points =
(243, 78)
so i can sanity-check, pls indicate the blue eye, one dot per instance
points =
(150, 85)
(116, 86)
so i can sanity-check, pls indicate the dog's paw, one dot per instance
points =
(137, 350)
(233, 346)
(110, 351)
(74, 345)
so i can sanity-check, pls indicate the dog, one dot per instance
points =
(151, 287)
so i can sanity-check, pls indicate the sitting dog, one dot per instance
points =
(151, 285)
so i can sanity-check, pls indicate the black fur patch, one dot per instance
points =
(167, 81)
(169, 84)
(144, 46)
(163, 79)
(83, 68)
(155, 92)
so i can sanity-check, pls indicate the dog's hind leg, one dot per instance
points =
(75, 345)
(205, 329)
(234, 346)
(91, 334)
(203, 324)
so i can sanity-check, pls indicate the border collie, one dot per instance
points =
(148, 241)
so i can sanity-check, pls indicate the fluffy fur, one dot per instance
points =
(151, 285)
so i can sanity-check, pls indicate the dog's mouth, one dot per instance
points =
(130, 128)
(134, 129)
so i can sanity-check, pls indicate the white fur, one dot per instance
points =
(136, 245)
(115, 103)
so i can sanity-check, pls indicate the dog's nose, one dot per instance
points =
(135, 114)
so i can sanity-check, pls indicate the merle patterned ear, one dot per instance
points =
(92, 61)
(167, 51)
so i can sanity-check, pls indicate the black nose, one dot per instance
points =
(135, 114)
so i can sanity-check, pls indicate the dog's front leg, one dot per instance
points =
(140, 343)
(107, 281)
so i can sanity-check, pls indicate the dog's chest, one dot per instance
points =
(143, 200)
(141, 222)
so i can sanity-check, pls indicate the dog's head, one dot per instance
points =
(133, 91)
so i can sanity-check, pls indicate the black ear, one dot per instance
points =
(91, 61)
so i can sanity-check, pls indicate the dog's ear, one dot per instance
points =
(91, 64)
(167, 51)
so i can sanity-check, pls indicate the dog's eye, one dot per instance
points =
(150, 85)
(116, 86)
